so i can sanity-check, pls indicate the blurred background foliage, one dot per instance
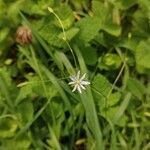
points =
(113, 37)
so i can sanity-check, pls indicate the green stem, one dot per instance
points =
(64, 34)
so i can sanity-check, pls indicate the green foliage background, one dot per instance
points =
(110, 40)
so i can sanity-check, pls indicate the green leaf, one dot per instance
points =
(89, 55)
(2, 8)
(66, 16)
(102, 85)
(5, 76)
(36, 8)
(69, 33)
(7, 88)
(4, 33)
(105, 15)
(44, 4)
(22, 143)
(142, 54)
(25, 111)
(13, 11)
(141, 23)
(8, 127)
(98, 9)
(112, 112)
(124, 4)
(121, 109)
(63, 61)
(129, 42)
(89, 106)
(24, 92)
(113, 99)
(89, 27)
(136, 87)
(51, 33)
(112, 28)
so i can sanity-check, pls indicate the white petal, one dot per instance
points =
(85, 82)
(82, 86)
(73, 78)
(72, 82)
(82, 77)
(79, 89)
(75, 87)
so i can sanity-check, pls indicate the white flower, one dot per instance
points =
(78, 83)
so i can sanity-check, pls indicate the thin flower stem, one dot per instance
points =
(120, 72)
(64, 34)
(31, 82)
(72, 54)
(117, 78)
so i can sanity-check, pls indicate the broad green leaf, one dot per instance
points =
(142, 70)
(101, 85)
(66, 16)
(112, 28)
(25, 111)
(136, 87)
(22, 143)
(105, 14)
(13, 11)
(4, 33)
(5, 76)
(99, 9)
(101, 88)
(7, 88)
(121, 109)
(141, 23)
(111, 112)
(44, 4)
(113, 99)
(89, 55)
(69, 33)
(124, 4)
(8, 127)
(50, 33)
(2, 8)
(35, 8)
(130, 43)
(89, 27)
(142, 54)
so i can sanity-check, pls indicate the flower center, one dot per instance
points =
(78, 82)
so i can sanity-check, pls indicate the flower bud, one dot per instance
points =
(23, 35)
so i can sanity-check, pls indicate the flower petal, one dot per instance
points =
(79, 89)
(72, 82)
(75, 87)
(82, 86)
(85, 82)
(73, 78)
(82, 77)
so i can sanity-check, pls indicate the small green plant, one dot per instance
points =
(46, 101)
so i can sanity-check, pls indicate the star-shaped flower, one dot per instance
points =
(78, 82)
